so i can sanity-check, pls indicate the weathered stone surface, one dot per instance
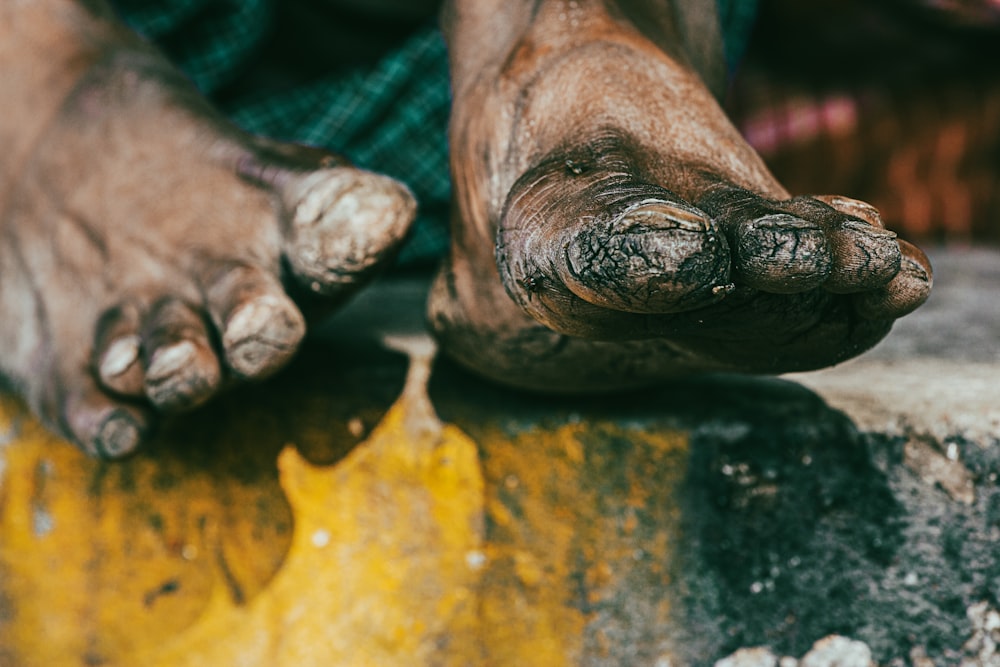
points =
(669, 527)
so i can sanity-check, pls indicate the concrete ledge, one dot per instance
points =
(331, 517)
(938, 372)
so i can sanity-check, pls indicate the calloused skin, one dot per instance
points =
(614, 229)
(611, 229)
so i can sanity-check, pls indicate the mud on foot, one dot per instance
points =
(613, 228)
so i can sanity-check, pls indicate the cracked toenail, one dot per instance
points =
(118, 435)
(864, 227)
(784, 222)
(344, 221)
(171, 359)
(119, 357)
(662, 215)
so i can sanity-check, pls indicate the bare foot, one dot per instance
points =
(613, 228)
(147, 243)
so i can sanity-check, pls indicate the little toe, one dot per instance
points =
(343, 224)
(774, 247)
(904, 293)
(100, 425)
(259, 326)
(181, 368)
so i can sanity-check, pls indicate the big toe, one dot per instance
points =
(621, 246)
(343, 224)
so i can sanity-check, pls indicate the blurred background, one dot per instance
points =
(896, 102)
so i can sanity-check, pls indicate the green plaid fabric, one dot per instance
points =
(208, 39)
(390, 116)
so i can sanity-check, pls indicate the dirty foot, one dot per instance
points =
(613, 228)
(151, 250)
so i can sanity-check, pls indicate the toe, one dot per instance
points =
(117, 357)
(904, 293)
(343, 223)
(102, 426)
(775, 248)
(181, 368)
(656, 256)
(612, 242)
(259, 326)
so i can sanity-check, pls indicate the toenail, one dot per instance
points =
(343, 197)
(865, 228)
(853, 207)
(118, 435)
(171, 359)
(250, 317)
(783, 222)
(119, 357)
(782, 253)
(261, 336)
(342, 224)
(662, 215)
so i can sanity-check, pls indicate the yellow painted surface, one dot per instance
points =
(425, 544)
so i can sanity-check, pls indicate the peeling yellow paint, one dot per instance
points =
(556, 545)
(377, 572)
(99, 560)
(427, 544)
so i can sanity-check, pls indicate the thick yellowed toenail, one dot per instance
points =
(119, 357)
(170, 360)
(262, 335)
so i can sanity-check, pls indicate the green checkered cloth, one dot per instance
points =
(390, 116)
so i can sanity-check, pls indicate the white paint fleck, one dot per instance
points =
(120, 355)
(321, 538)
(42, 522)
(475, 559)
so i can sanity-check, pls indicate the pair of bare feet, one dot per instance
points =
(611, 226)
